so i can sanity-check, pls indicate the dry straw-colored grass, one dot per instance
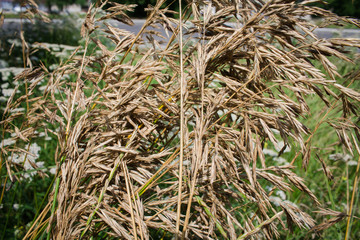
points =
(121, 156)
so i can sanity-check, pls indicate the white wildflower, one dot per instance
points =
(17, 110)
(352, 163)
(280, 160)
(275, 131)
(8, 92)
(98, 53)
(62, 54)
(33, 155)
(186, 163)
(17, 158)
(54, 47)
(291, 203)
(233, 117)
(27, 164)
(65, 77)
(3, 64)
(340, 156)
(53, 66)
(52, 170)
(281, 194)
(35, 149)
(16, 42)
(42, 88)
(222, 112)
(275, 200)
(7, 142)
(40, 164)
(270, 152)
(27, 176)
(6, 72)
(280, 145)
(16, 206)
(36, 80)
(5, 85)
(191, 123)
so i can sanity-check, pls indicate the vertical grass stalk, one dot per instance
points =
(178, 214)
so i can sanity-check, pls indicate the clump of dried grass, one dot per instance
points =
(119, 121)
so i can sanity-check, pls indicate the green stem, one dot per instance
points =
(55, 197)
(112, 173)
(208, 212)
(8, 213)
(330, 194)
(54, 203)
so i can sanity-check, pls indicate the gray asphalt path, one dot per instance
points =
(11, 26)
(320, 32)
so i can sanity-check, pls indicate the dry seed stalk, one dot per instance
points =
(232, 87)
(178, 217)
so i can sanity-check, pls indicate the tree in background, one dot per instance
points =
(345, 7)
(341, 7)
(349, 8)
(141, 5)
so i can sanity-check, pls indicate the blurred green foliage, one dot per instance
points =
(140, 9)
(341, 7)
(344, 7)
(349, 8)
